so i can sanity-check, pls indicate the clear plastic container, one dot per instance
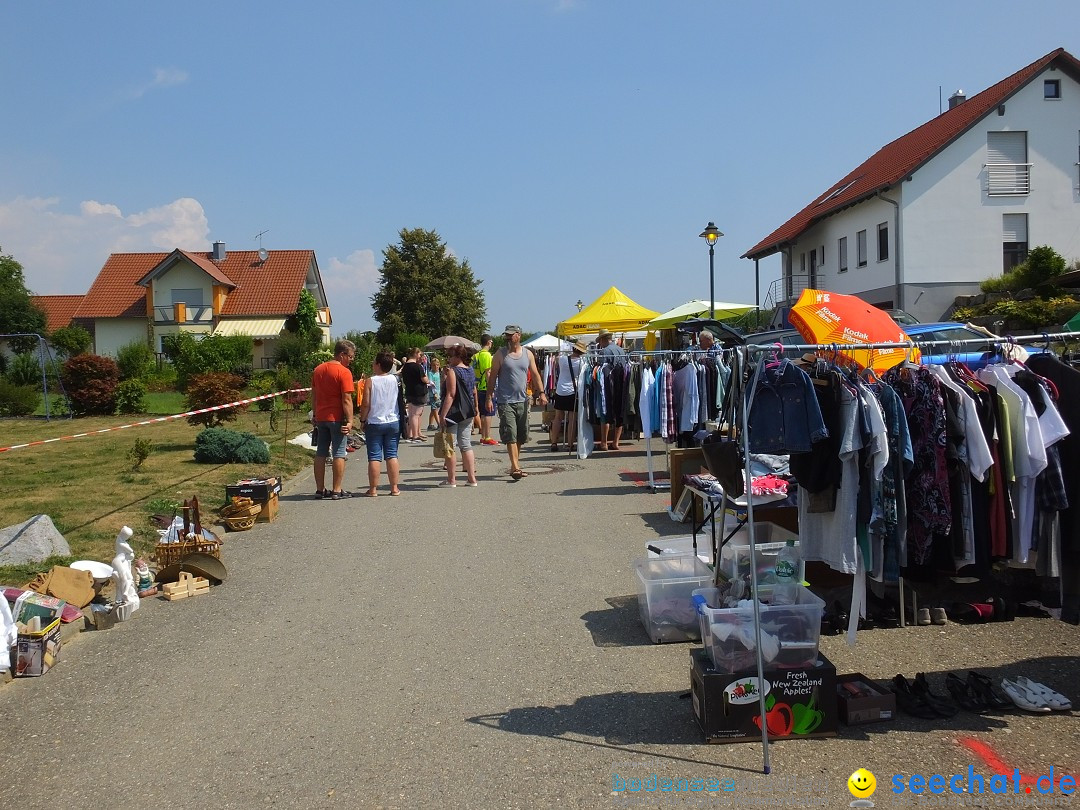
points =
(665, 585)
(681, 545)
(770, 538)
(790, 633)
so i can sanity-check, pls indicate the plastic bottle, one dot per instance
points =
(786, 589)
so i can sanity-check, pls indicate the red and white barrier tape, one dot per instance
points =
(155, 420)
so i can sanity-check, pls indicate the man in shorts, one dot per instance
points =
(511, 368)
(332, 414)
(481, 365)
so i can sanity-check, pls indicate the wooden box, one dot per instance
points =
(684, 461)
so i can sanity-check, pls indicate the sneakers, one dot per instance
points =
(488, 441)
(446, 484)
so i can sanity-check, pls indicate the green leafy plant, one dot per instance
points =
(139, 452)
(90, 381)
(135, 360)
(129, 396)
(212, 353)
(217, 445)
(215, 388)
(71, 340)
(18, 400)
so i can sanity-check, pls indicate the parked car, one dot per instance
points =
(902, 318)
(974, 355)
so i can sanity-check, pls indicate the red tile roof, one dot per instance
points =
(271, 287)
(895, 161)
(58, 309)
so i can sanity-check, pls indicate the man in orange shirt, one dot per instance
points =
(332, 414)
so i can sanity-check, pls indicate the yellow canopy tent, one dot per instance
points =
(612, 311)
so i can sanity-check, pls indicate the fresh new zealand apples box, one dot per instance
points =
(799, 703)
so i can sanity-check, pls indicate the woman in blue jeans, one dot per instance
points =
(381, 415)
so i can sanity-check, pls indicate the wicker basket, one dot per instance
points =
(240, 524)
(169, 553)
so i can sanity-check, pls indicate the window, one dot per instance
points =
(193, 298)
(883, 241)
(860, 248)
(802, 263)
(1014, 240)
(1052, 88)
(1007, 171)
(841, 254)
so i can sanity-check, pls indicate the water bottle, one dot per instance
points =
(786, 589)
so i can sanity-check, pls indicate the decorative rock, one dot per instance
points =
(34, 540)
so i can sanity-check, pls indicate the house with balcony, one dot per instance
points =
(949, 204)
(146, 296)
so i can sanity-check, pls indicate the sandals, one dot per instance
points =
(964, 694)
(1028, 701)
(517, 475)
(988, 692)
(1055, 700)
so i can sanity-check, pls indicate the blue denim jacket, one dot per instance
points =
(785, 416)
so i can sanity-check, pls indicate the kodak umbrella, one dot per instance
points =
(849, 323)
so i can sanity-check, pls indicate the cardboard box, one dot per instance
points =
(683, 461)
(269, 511)
(35, 653)
(30, 604)
(258, 489)
(860, 700)
(799, 702)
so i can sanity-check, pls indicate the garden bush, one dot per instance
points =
(18, 400)
(208, 390)
(90, 381)
(129, 396)
(135, 360)
(25, 369)
(217, 445)
(71, 340)
(211, 353)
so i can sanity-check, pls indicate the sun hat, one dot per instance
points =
(605, 333)
(580, 347)
(511, 329)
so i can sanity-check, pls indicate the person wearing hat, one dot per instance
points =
(566, 379)
(511, 368)
(610, 352)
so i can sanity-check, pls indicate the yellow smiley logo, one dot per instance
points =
(862, 784)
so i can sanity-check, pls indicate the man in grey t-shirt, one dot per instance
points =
(508, 379)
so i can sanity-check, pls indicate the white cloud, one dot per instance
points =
(163, 77)
(62, 252)
(349, 284)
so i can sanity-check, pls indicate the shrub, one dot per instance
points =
(71, 340)
(18, 400)
(90, 381)
(135, 360)
(25, 369)
(217, 445)
(139, 452)
(297, 351)
(208, 390)
(211, 353)
(129, 396)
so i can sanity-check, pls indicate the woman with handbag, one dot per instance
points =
(456, 414)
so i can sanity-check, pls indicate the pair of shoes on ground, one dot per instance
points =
(1032, 696)
(994, 609)
(454, 484)
(330, 495)
(918, 699)
(934, 615)
(977, 693)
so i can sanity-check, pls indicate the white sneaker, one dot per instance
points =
(446, 484)
(1023, 698)
(1055, 700)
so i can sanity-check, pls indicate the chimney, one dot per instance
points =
(218, 254)
(956, 99)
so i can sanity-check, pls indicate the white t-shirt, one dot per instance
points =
(381, 393)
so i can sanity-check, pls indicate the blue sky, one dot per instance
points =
(561, 146)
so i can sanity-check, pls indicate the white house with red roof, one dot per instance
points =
(949, 204)
(145, 296)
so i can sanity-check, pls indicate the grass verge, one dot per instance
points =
(88, 488)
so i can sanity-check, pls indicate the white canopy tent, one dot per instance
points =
(548, 343)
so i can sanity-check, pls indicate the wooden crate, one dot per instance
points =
(186, 586)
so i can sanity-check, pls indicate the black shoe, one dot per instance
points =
(910, 702)
(940, 704)
(989, 692)
(963, 694)
(340, 496)
(320, 493)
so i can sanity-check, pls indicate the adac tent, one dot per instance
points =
(548, 343)
(613, 310)
(697, 309)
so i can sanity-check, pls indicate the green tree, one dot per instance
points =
(71, 340)
(425, 290)
(306, 318)
(18, 315)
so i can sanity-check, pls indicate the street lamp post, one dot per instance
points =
(710, 235)
(579, 304)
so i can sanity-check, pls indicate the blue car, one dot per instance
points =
(973, 355)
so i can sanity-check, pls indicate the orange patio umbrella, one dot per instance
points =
(850, 323)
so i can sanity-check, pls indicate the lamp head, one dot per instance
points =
(710, 234)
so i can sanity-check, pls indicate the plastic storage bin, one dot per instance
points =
(665, 585)
(789, 633)
(735, 554)
(681, 545)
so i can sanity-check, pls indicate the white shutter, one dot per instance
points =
(1006, 147)
(1014, 228)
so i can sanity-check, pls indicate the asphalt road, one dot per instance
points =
(466, 648)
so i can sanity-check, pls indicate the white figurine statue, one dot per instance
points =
(127, 600)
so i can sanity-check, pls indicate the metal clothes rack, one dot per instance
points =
(757, 354)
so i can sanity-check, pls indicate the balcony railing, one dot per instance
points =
(165, 315)
(1008, 179)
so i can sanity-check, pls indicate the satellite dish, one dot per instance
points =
(263, 253)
